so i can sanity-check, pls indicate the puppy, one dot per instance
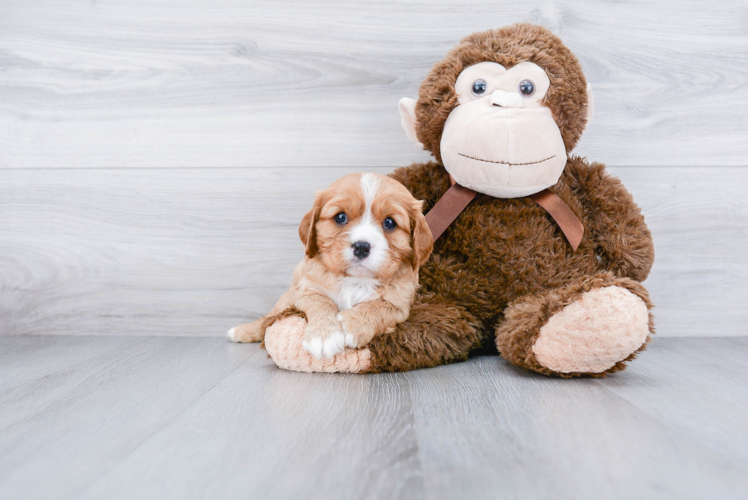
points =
(365, 239)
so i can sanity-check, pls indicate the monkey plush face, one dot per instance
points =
(501, 140)
(502, 111)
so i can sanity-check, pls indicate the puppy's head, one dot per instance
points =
(366, 225)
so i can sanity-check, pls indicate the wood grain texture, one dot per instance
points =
(313, 83)
(50, 355)
(281, 435)
(196, 251)
(99, 411)
(700, 378)
(508, 430)
(204, 418)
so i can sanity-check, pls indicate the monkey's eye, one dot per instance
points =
(341, 218)
(389, 224)
(479, 87)
(526, 87)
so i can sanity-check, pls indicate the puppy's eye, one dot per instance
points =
(479, 87)
(341, 218)
(389, 224)
(527, 87)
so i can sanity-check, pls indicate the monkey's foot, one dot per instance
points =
(587, 328)
(602, 327)
(284, 343)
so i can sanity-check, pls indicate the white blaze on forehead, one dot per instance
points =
(370, 187)
(368, 230)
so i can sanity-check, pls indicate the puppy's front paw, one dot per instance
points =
(324, 340)
(357, 328)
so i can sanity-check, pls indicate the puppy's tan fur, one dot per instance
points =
(319, 280)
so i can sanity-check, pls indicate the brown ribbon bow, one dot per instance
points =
(457, 198)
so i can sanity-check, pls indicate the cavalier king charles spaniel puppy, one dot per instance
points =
(365, 239)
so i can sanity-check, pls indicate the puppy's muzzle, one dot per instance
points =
(361, 249)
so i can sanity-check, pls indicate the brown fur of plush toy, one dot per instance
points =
(500, 251)
(503, 275)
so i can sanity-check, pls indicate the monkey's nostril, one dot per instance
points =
(361, 249)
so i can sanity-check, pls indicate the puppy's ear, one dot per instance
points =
(423, 242)
(307, 229)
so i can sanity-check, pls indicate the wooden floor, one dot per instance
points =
(169, 417)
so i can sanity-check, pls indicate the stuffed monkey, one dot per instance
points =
(538, 253)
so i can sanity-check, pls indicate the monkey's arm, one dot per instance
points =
(425, 181)
(614, 221)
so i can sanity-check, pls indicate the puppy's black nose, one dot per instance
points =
(361, 249)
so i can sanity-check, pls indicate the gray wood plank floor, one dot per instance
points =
(161, 417)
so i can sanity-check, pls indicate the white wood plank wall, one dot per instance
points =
(119, 121)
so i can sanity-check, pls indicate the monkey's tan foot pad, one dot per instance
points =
(283, 343)
(593, 333)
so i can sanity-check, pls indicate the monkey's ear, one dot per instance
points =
(407, 108)
(590, 105)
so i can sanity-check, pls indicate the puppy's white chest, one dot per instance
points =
(354, 291)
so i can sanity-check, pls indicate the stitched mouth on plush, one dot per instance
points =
(506, 162)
